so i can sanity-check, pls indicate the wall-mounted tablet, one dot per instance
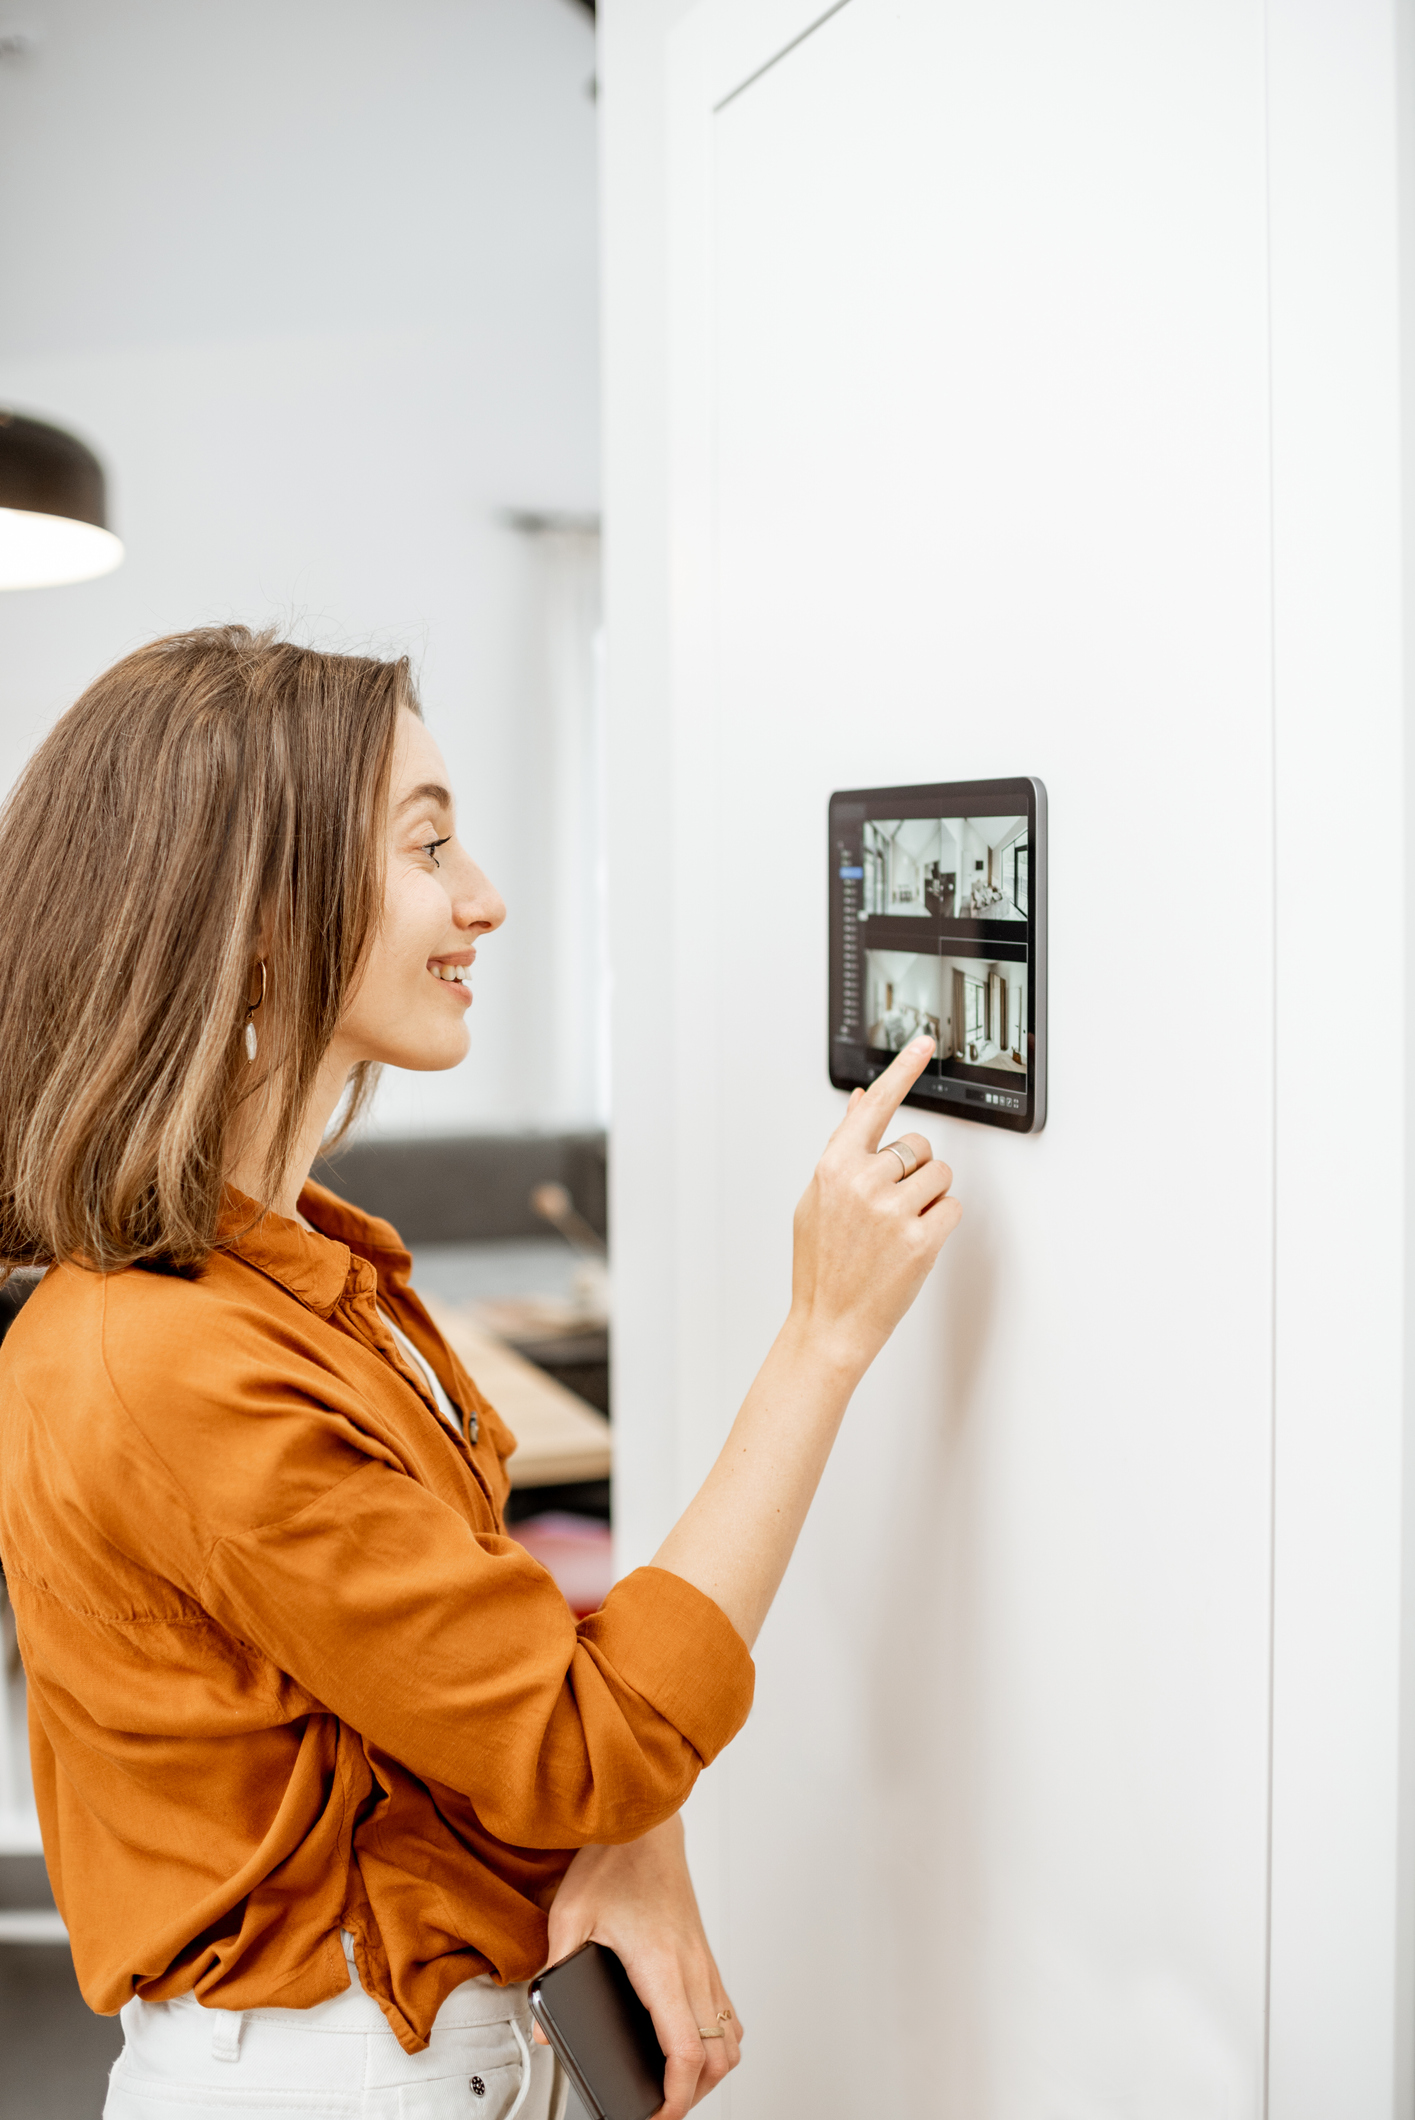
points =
(938, 900)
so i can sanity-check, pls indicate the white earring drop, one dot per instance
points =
(251, 1007)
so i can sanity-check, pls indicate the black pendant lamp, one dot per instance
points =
(52, 519)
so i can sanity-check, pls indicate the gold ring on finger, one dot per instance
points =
(711, 2031)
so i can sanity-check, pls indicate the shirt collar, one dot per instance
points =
(367, 1236)
(316, 1266)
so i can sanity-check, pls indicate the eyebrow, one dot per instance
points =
(427, 791)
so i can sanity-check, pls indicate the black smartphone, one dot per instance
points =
(602, 2035)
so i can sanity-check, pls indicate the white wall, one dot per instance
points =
(318, 282)
(993, 392)
(1343, 1896)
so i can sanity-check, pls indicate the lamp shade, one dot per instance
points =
(52, 518)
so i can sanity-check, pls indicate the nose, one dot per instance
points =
(481, 905)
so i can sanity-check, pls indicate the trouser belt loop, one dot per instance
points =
(226, 2035)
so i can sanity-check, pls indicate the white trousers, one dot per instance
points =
(337, 2060)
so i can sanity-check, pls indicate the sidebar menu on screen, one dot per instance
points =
(847, 960)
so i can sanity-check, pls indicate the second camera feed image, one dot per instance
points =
(975, 1011)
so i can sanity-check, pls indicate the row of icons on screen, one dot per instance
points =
(1001, 1098)
(964, 1092)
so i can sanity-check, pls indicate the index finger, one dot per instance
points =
(867, 1118)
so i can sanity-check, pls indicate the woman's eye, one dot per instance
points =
(431, 850)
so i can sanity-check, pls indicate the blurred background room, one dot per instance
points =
(317, 285)
(1017, 390)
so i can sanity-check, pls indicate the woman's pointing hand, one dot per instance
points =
(871, 1222)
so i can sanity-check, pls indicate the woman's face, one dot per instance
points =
(410, 1006)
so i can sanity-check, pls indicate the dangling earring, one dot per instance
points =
(251, 1007)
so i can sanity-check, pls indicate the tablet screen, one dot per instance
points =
(938, 899)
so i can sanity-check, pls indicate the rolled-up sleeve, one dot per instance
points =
(454, 1651)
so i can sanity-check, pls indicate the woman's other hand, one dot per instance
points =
(866, 1236)
(639, 1900)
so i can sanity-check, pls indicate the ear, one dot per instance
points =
(263, 941)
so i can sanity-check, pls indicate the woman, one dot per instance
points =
(326, 1769)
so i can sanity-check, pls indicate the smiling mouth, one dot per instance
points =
(454, 974)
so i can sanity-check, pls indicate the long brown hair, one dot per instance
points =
(213, 787)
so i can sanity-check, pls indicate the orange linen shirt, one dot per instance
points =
(287, 1671)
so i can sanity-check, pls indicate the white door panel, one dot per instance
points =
(986, 493)
(967, 443)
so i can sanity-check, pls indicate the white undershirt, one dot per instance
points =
(425, 1370)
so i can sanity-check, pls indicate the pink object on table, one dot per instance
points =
(577, 1550)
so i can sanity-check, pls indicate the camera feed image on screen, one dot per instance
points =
(932, 937)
